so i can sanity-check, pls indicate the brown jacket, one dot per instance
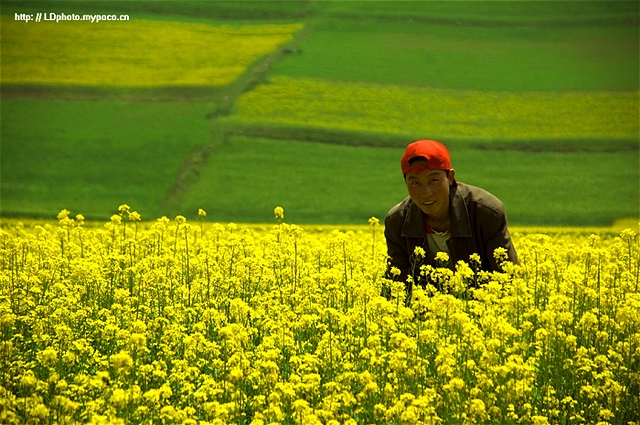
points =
(478, 225)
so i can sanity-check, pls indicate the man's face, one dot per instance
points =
(429, 190)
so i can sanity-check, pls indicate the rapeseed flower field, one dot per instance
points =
(443, 113)
(189, 322)
(140, 53)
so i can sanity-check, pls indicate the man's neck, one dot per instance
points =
(439, 225)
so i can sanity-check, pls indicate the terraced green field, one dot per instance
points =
(128, 53)
(450, 115)
(310, 104)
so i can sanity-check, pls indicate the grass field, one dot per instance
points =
(469, 57)
(92, 156)
(238, 185)
(487, 13)
(538, 102)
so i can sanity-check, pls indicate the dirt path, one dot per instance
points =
(191, 169)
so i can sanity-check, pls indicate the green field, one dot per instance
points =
(538, 102)
(94, 156)
(238, 183)
(466, 56)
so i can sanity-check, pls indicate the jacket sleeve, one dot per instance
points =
(398, 256)
(497, 236)
(396, 250)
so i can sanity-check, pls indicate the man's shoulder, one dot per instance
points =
(399, 211)
(480, 197)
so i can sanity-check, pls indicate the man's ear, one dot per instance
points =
(452, 174)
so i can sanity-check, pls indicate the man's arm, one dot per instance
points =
(398, 257)
(499, 237)
(397, 254)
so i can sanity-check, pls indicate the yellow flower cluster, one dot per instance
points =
(214, 324)
(140, 53)
(443, 113)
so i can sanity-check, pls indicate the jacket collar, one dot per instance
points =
(413, 225)
(460, 223)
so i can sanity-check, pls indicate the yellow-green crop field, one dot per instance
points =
(140, 53)
(441, 113)
(176, 322)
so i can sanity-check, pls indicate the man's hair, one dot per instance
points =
(417, 158)
(421, 158)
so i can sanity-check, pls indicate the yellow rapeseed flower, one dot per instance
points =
(124, 209)
(121, 362)
(442, 257)
(128, 54)
(48, 356)
(419, 252)
(116, 219)
(298, 331)
(279, 213)
(63, 214)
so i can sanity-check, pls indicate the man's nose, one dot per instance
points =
(425, 190)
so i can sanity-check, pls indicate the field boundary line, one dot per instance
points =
(399, 140)
(191, 169)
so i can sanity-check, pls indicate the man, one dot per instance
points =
(442, 215)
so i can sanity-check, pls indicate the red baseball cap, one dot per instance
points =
(436, 155)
